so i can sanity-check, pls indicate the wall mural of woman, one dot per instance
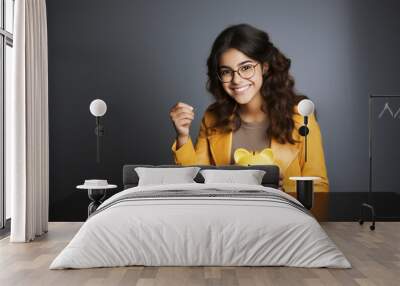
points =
(254, 115)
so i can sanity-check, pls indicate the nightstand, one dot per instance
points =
(96, 194)
(304, 190)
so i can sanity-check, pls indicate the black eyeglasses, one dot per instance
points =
(245, 71)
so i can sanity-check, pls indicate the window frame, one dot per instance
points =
(6, 39)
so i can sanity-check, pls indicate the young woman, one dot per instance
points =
(255, 108)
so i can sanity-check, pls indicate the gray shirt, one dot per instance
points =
(251, 136)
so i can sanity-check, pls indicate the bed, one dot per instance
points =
(201, 224)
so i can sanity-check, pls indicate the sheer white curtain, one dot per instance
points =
(27, 143)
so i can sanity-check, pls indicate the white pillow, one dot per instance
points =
(249, 177)
(162, 176)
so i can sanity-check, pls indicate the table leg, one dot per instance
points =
(96, 196)
(305, 193)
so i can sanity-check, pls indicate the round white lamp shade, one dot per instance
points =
(305, 107)
(98, 107)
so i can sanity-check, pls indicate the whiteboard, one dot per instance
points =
(384, 141)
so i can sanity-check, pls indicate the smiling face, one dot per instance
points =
(242, 90)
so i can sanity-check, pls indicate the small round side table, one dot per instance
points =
(96, 195)
(304, 190)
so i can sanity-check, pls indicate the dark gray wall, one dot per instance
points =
(143, 56)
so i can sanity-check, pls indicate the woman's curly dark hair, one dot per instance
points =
(277, 89)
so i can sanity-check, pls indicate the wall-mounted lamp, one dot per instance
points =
(98, 108)
(305, 108)
(304, 185)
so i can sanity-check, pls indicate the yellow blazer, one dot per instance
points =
(214, 148)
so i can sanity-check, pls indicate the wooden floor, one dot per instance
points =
(375, 257)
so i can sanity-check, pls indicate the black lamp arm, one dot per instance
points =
(99, 131)
(303, 130)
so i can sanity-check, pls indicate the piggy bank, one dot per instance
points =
(244, 157)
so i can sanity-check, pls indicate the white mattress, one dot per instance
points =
(183, 231)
